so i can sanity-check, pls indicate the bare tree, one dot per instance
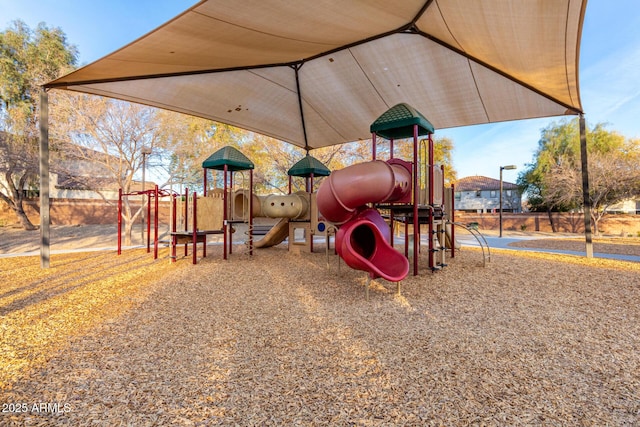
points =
(614, 177)
(110, 134)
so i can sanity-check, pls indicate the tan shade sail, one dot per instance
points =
(318, 72)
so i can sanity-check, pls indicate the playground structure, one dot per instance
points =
(193, 217)
(363, 239)
(154, 194)
(192, 226)
(297, 212)
(410, 193)
(364, 205)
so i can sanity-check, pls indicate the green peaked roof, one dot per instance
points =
(229, 156)
(309, 165)
(398, 121)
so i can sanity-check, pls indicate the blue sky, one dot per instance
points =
(609, 68)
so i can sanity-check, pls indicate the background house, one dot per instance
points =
(480, 194)
(630, 206)
(82, 189)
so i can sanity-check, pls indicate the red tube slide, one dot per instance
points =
(363, 240)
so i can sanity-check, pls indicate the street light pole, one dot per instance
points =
(508, 167)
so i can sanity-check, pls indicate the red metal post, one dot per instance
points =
(186, 209)
(250, 211)
(443, 195)
(119, 221)
(231, 210)
(186, 218)
(155, 224)
(406, 237)
(225, 216)
(204, 182)
(416, 200)
(310, 209)
(194, 238)
(431, 199)
(442, 238)
(174, 227)
(391, 224)
(453, 228)
(148, 221)
(391, 148)
(373, 146)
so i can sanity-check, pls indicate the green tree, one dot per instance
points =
(28, 59)
(553, 181)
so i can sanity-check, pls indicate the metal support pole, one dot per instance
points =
(508, 167)
(45, 208)
(585, 188)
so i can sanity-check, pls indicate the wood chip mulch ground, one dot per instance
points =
(284, 339)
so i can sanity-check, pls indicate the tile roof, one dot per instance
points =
(475, 183)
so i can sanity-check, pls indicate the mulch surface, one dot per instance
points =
(284, 339)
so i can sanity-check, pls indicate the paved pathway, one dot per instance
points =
(503, 243)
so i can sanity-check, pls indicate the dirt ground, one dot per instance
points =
(65, 237)
(72, 237)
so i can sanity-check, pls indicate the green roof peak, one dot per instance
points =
(229, 156)
(398, 122)
(309, 165)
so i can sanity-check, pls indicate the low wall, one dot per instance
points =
(76, 211)
(87, 211)
(611, 224)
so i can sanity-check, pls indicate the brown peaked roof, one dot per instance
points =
(475, 183)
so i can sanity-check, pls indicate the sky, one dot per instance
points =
(609, 69)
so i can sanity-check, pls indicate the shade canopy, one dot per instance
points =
(308, 166)
(316, 73)
(230, 157)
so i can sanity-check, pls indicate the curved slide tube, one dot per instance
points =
(363, 240)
